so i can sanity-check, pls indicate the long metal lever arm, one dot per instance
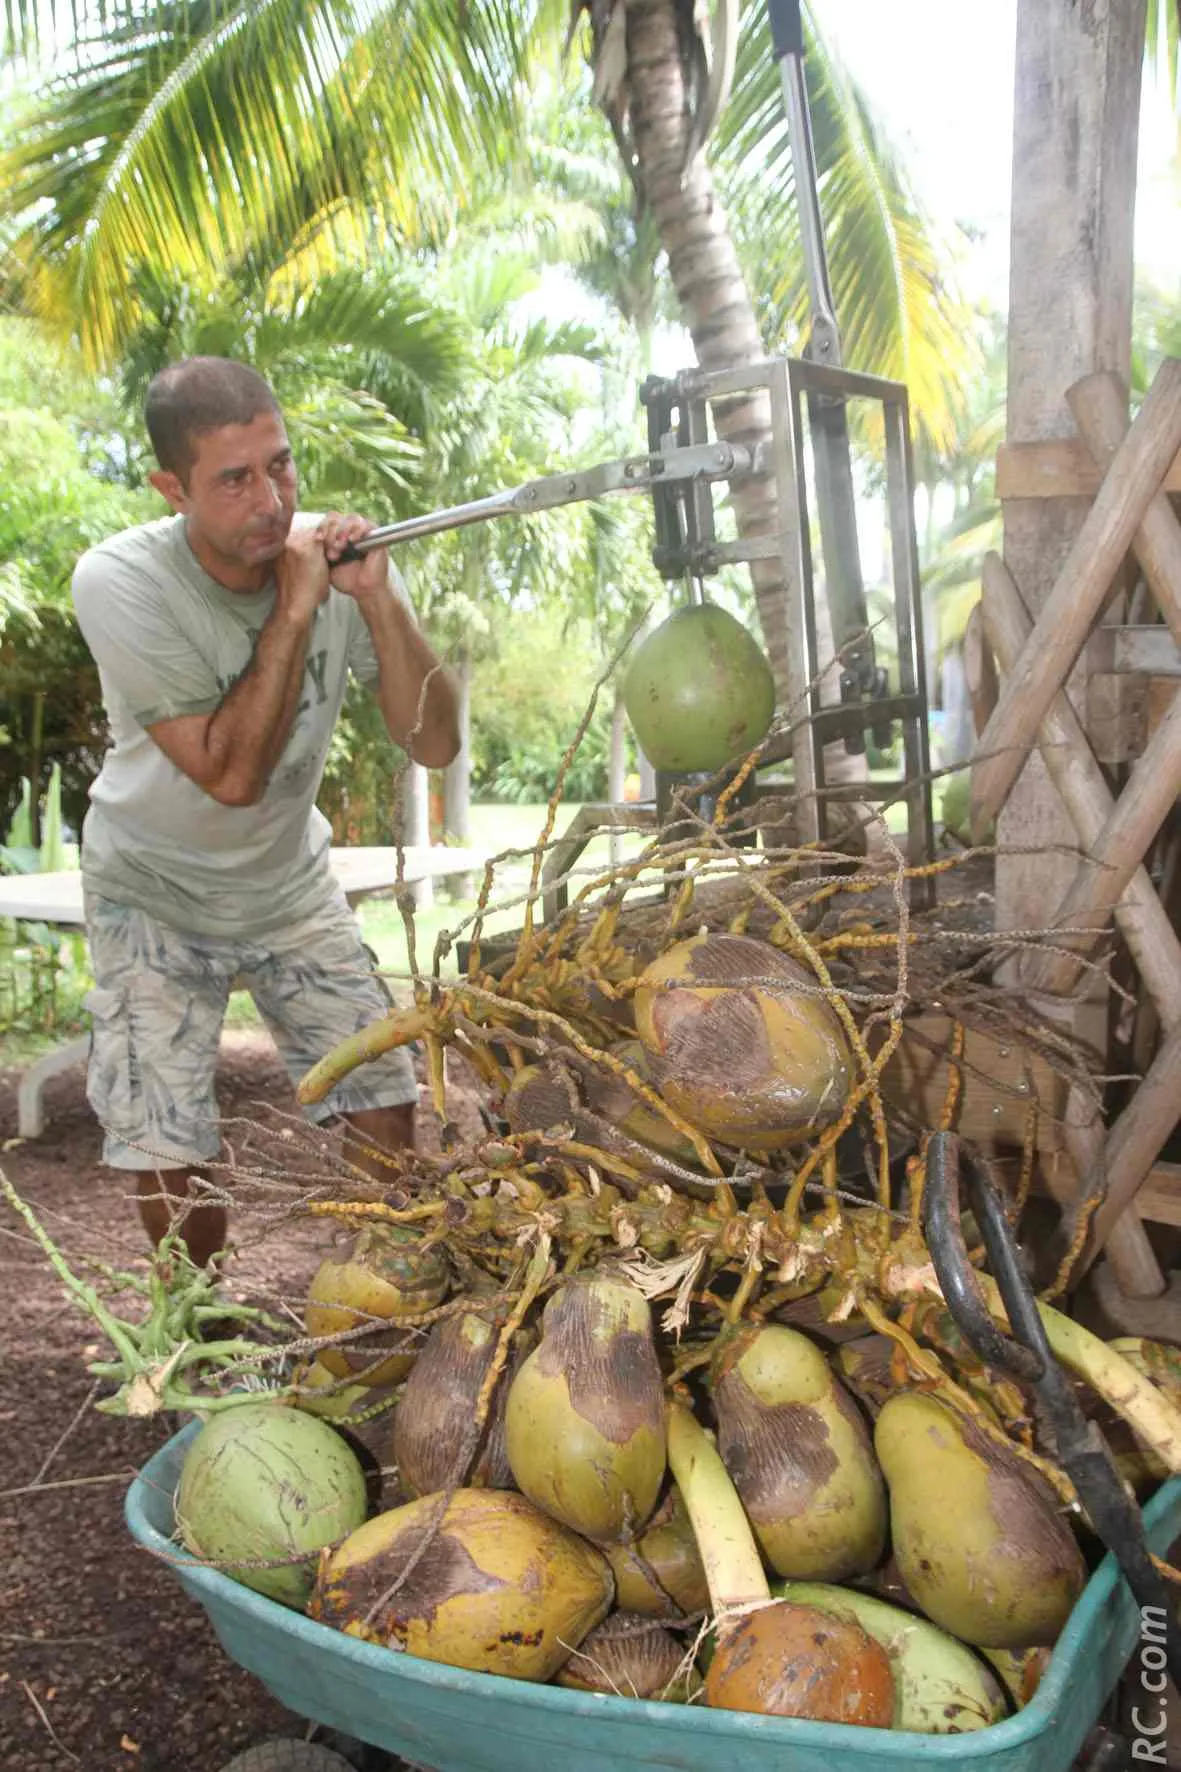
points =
(787, 45)
(632, 473)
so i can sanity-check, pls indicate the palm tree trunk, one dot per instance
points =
(715, 302)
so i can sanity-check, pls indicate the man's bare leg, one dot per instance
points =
(389, 1128)
(164, 1196)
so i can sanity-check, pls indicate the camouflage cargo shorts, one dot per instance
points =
(157, 1009)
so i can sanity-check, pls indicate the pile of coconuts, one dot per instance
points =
(754, 1541)
(714, 1505)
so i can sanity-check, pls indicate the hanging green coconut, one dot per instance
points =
(699, 691)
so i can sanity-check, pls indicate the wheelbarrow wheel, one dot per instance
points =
(288, 1756)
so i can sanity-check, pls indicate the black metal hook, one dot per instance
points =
(1078, 1444)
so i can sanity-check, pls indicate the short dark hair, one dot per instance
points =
(198, 395)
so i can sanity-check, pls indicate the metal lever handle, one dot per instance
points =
(787, 27)
(631, 473)
(1081, 1449)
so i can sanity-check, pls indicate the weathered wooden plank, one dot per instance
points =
(1088, 800)
(1000, 1083)
(1154, 783)
(1142, 918)
(1159, 1198)
(1133, 1145)
(1062, 468)
(1146, 649)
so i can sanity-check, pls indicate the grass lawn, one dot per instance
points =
(494, 829)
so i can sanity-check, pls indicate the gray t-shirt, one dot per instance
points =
(169, 640)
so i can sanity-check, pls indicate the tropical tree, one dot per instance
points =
(68, 480)
(177, 134)
(361, 359)
(512, 418)
(181, 134)
(645, 55)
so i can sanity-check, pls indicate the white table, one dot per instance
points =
(57, 899)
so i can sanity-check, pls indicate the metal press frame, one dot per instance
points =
(678, 472)
(789, 382)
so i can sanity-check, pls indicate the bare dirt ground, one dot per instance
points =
(105, 1664)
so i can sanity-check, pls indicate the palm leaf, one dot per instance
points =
(182, 135)
(899, 315)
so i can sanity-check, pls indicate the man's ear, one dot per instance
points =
(170, 487)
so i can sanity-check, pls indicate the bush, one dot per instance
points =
(527, 703)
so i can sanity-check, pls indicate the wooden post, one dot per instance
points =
(980, 670)
(1143, 920)
(1075, 129)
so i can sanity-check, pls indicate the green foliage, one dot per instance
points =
(892, 277)
(44, 971)
(360, 359)
(59, 442)
(61, 457)
(528, 701)
(177, 134)
(358, 794)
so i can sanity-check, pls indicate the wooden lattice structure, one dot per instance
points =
(1079, 748)
(1115, 833)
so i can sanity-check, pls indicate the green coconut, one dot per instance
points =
(800, 1456)
(661, 1574)
(584, 1425)
(262, 1482)
(699, 691)
(741, 1043)
(385, 1274)
(979, 1538)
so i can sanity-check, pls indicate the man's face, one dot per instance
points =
(239, 496)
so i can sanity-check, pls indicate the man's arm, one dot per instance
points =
(231, 752)
(415, 692)
(405, 662)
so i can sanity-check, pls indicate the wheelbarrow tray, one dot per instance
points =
(453, 1721)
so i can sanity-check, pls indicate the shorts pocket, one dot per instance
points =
(108, 1075)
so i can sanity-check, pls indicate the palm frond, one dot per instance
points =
(183, 134)
(898, 312)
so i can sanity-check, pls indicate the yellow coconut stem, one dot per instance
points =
(396, 1029)
(733, 1567)
(1135, 1398)
(1142, 1405)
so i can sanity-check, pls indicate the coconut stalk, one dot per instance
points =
(1133, 1396)
(154, 1357)
(771, 1656)
(734, 1570)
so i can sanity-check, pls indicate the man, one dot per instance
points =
(224, 637)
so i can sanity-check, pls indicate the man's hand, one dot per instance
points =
(364, 578)
(301, 576)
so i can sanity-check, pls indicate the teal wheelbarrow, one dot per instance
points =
(449, 1720)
